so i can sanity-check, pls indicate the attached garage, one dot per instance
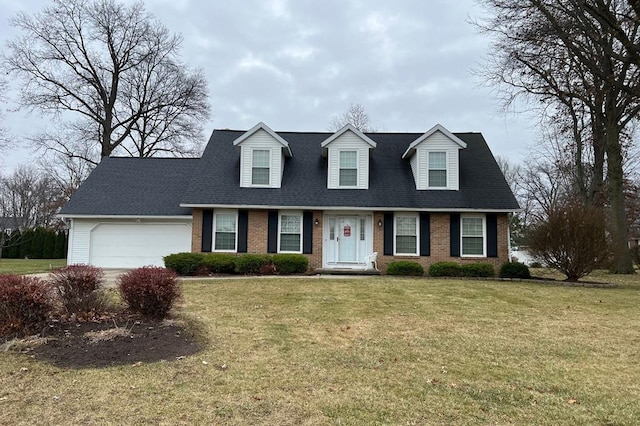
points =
(127, 213)
(127, 244)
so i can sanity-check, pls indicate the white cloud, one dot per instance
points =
(293, 64)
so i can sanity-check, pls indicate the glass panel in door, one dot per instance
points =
(347, 237)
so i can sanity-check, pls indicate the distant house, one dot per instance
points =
(333, 197)
(634, 234)
(9, 224)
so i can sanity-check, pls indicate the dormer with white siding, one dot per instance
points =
(262, 157)
(434, 159)
(347, 153)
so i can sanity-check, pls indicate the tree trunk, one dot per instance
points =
(598, 144)
(622, 262)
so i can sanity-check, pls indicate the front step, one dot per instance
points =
(346, 271)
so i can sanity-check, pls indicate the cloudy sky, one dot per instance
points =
(295, 63)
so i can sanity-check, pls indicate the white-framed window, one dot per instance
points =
(225, 230)
(406, 235)
(290, 233)
(473, 236)
(260, 167)
(437, 169)
(348, 173)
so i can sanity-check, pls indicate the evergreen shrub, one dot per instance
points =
(445, 269)
(405, 268)
(287, 264)
(514, 270)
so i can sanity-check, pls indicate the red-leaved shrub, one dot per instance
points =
(150, 290)
(78, 287)
(25, 303)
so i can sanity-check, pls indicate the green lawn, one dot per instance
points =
(29, 266)
(364, 351)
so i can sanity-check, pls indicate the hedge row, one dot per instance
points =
(452, 269)
(36, 243)
(224, 263)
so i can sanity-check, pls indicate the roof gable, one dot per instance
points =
(347, 128)
(437, 128)
(262, 126)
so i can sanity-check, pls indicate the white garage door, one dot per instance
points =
(130, 245)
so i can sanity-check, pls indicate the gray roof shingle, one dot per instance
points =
(157, 186)
(391, 185)
(134, 187)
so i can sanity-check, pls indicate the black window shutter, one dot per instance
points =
(388, 234)
(492, 235)
(307, 232)
(243, 225)
(425, 234)
(272, 233)
(207, 230)
(454, 234)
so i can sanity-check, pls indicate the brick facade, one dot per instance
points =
(196, 231)
(440, 243)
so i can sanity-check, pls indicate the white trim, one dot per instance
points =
(213, 231)
(348, 127)
(446, 169)
(105, 216)
(484, 234)
(395, 234)
(290, 213)
(356, 186)
(260, 185)
(437, 128)
(346, 208)
(262, 126)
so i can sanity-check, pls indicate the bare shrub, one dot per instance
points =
(78, 287)
(150, 290)
(25, 303)
(571, 239)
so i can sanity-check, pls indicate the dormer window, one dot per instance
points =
(437, 169)
(260, 167)
(348, 169)
(262, 157)
(347, 152)
(435, 159)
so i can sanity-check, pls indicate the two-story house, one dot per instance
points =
(334, 197)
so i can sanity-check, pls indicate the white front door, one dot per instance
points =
(346, 239)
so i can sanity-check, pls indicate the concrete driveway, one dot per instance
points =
(110, 276)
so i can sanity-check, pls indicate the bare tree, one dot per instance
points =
(354, 115)
(66, 172)
(116, 69)
(578, 60)
(3, 132)
(30, 197)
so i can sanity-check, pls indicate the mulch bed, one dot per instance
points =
(118, 339)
